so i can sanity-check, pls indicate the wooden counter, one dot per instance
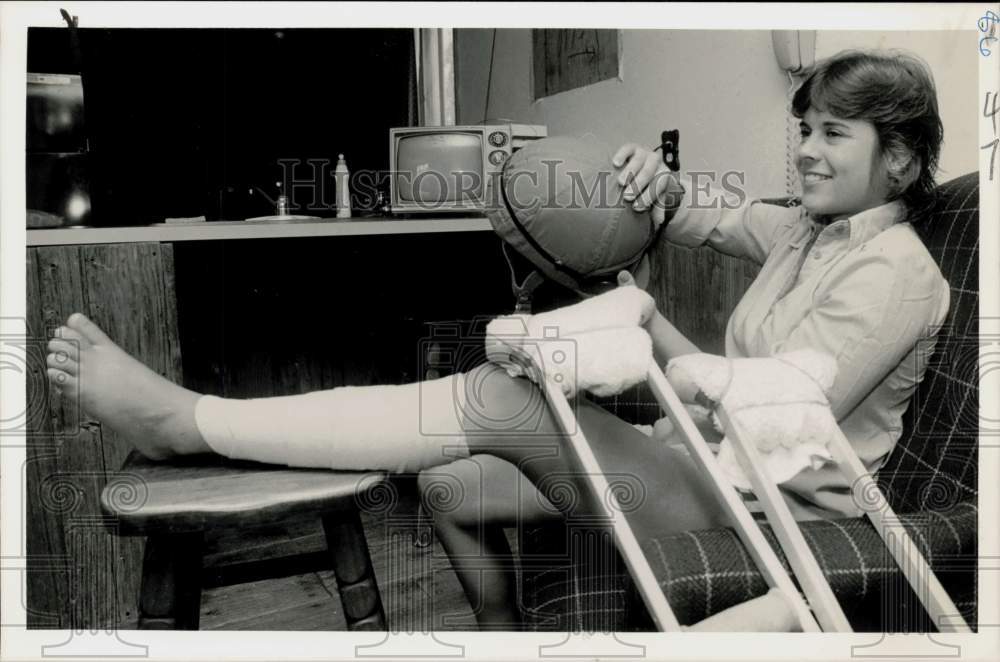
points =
(227, 230)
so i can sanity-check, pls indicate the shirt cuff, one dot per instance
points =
(690, 225)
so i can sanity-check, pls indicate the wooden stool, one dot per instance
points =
(174, 503)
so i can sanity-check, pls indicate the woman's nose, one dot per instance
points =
(807, 150)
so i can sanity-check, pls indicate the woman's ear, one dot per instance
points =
(902, 169)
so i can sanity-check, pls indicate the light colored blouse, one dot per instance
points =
(863, 289)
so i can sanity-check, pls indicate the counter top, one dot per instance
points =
(271, 229)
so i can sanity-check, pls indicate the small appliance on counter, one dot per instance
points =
(445, 169)
(57, 159)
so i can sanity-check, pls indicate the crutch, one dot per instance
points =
(663, 616)
(911, 562)
(625, 539)
(746, 527)
(824, 603)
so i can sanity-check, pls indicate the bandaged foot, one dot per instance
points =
(596, 345)
(88, 368)
(402, 429)
(780, 404)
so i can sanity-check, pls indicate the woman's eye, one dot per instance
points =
(833, 134)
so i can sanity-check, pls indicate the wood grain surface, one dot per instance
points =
(127, 290)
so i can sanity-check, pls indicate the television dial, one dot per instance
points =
(497, 156)
(498, 138)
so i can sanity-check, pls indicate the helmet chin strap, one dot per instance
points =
(524, 291)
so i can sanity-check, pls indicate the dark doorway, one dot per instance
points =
(190, 122)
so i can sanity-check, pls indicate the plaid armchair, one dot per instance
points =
(573, 579)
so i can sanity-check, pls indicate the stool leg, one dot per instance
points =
(352, 566)
(170, 597)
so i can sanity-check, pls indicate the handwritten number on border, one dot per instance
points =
(991, 112)
(987, 25)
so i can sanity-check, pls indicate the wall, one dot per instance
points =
(701, 82)
(953, 58)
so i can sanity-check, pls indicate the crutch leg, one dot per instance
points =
(663, 616)
(747, 529)
(914, 566)
(824, 603)
(790, 606)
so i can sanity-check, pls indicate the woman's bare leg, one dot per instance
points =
(513, 432)
(157, 415)
(472, 500)
(670, 492)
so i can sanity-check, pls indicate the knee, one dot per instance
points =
(495, 402)
(447, 492)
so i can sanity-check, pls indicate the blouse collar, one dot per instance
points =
(864, 225)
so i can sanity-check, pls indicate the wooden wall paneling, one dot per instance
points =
(71, 493)
(131, 296)
(126, 289)
(47, 574)
(697, 290)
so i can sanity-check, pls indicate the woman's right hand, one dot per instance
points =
(644, 178)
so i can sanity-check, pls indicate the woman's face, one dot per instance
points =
(839, 165)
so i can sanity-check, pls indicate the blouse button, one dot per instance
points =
(817, 255)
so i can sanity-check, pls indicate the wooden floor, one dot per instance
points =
(420, 592)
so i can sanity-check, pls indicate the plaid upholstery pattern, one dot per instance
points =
(934, 465)
(573, 579)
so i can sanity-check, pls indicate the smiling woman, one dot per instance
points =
(838, 161)
(871, 133)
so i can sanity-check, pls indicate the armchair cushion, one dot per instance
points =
(704, 572)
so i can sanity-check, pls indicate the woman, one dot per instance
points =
(846, 275)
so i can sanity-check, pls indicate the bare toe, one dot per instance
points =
(90, 331)
(69, 348)
(61, 361)
(69, 334)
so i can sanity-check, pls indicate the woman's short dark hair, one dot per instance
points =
(894, 91)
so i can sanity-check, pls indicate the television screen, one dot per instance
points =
(439, 168)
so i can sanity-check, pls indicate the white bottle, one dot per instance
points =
(341, 177)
